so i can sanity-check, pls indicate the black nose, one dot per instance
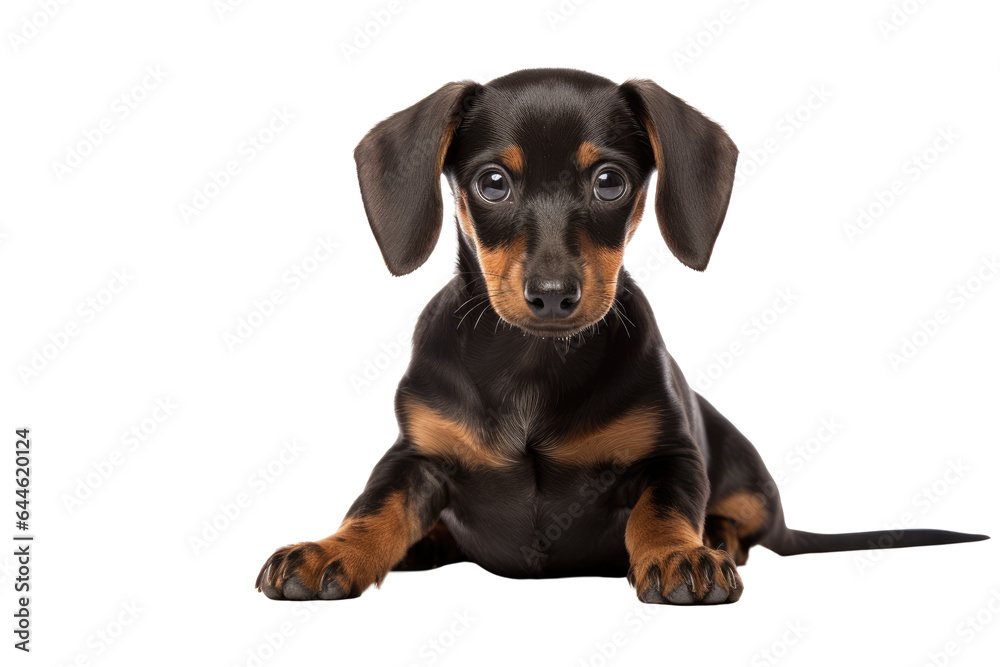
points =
(552, 298)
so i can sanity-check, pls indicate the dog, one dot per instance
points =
(544, 430)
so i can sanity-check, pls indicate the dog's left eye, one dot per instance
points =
(493, 186)
(609, 185)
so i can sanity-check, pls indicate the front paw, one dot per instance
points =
(309, 571)
(696, 575)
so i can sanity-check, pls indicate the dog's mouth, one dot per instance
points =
(542, 327)
(557, 332)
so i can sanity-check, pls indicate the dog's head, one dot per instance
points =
(549, 169)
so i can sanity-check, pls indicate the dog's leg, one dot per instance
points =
(435, 549)
(722, 532)
(401, 502)
(744, 507)
(738, 520)
(669, 563)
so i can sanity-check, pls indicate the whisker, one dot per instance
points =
(466, 315)
(485, 308)
(622, 314)
(474, 296)
(476, 273)
(621, 318)
(476, 280)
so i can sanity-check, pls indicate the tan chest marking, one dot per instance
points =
(440, 436)
(621, 441)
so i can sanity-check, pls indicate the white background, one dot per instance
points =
(886, 96)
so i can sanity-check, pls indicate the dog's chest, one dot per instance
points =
(529, 432)
(551, 503)
(513, 430)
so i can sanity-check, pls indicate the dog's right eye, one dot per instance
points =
(609, 185)
(493, 186)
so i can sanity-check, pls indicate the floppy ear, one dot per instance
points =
(695, 165)
(399, 168)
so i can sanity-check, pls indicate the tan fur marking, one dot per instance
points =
(746, 509)
(600, 278)
(502, 268)
(504, 273)
(636, 217)
(513, 158)
(373, 544)
(463, 216)
(623, 441)
(657, 157)
(587, 154)
(437, 435)
(449, 133)
(727, 533)
(648, 529)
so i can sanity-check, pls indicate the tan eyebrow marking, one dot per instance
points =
(513, 158)
(587, 154)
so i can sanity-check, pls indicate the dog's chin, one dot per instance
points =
(540, 328)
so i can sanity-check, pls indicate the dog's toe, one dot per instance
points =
(681, 595)
(265, 581)
(293, 589)
(716, 595)
(686, 592)
(651, 591)
(331, 589)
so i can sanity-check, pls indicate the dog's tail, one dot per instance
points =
(789, 542)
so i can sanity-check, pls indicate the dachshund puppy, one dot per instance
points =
(544, 430)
